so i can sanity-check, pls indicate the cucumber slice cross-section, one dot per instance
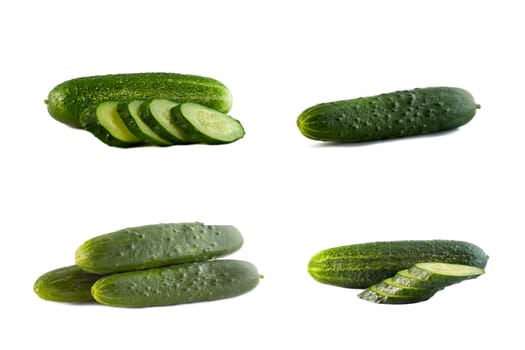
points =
(207, 125)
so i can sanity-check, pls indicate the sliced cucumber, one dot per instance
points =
(156, 114)
(103, 121)
(129, 113)
(419, 283)
(375, 295)
(393, 288)
(441, 274)
(207, 125)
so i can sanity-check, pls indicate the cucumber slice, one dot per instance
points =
(375, 295)
(393, 288)
(103, 122)
(129, 113)
(443, 274)
(207, 125)
(405, 278)
(156, 114)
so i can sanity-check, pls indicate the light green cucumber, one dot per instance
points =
(67, 100)
(129, 113)
(156, 245)
(104, 122)
(68, 284)
(375, 295)
(156, 113)
(206, 125)
(442, 275)
(390, 115)
(177, 284)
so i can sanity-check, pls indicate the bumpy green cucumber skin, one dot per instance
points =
(150, 137)
(156, 245)
(365, 264)
(67, 100)
(177, 284)
(90, 122)
(201, 135)
(391, 115)
(68, 284)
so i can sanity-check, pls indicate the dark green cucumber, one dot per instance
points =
(67, 100)
(156, 245)
(443, 275)
(129, 113)
(68, 284)
(156, 113)
(375, 295)
(207, 125)
(104, 122)
(177, 284)
(390, 115)
(365, 264)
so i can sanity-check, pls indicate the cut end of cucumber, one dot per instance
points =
(452, 270)
(206, 124)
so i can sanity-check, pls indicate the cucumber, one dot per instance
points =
(177, 284)
(365, 264)
(405, 278)
(67, 100)
(67, 284)
(390, 115)
(429, 277)
(207, 125)
(104, 122)
(394, 288)
(443, 275)
(156, 114)
(129, 113)
(375, 295)
(156, 245)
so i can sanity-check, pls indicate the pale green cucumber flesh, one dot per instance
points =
(393, 288)
(156, 114)
(68, 284)
(444, 274)
(374, 295)
(207, 125)
(149, 246)
(405, 278)
(129, 113)
(177, 284)
(109, 119)
(104, 123)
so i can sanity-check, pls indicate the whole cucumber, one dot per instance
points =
(156, 245)
(67, 100)
(362, 265)
(390, 115)
(66, 284)
(177, 284)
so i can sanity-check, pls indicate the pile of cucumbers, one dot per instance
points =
(153, 265)
(161, 109)
(398, 272)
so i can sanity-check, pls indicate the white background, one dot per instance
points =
(290, 196)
